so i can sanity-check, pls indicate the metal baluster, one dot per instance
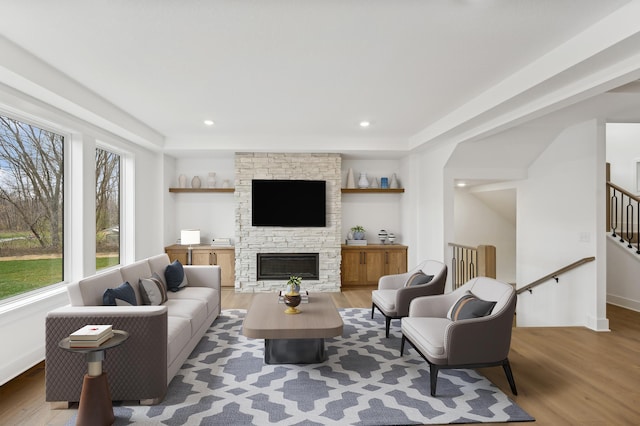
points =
(629, 226)
(621, 204)
(614, 213)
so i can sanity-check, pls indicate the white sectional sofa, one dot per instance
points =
(160, 337)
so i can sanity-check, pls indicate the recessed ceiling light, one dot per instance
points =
(364, 124)
(461, 184)
(209, 122)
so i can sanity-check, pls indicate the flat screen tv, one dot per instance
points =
(288, 203)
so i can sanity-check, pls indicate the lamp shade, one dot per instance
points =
(190, 236)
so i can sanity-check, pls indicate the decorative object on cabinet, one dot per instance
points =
(382, 236)
(182, 181)
(365, 265)
(351, 183)
(363, 182)
(384, 182)
(394, 182)
(211, 180)
(189, 237)
(370, 190)
(391, 237)
(358, 232)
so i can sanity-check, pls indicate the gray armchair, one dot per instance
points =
(469, 340)
(393, 295)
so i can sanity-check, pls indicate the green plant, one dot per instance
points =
(357, 228)
(294, 284)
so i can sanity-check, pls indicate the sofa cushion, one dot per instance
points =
(418, 278)
(152, 291)
(133, 272)
(385, 300)
(89, 291)
(122, 295)
(178, 335)
(427, 334)
(193, 310)
(205, 294)
(469, 306)
(175, 277)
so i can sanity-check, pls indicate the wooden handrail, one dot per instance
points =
(555, 274)
(624, 191)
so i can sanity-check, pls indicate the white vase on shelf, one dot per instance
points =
(351, 183)
(182, 181)
(211, 180)
(195, 182)
(394, 182)
(363, 182)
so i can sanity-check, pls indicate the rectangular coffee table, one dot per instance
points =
(297, 338)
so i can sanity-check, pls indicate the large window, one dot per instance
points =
(107, 209)
(31, 207)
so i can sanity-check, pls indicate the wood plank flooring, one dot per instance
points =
(564, 375)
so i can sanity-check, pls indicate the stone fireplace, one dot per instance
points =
(324, 242)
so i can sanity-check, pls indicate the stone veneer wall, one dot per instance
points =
(251, 240)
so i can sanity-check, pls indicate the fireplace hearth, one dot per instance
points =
(280, 266)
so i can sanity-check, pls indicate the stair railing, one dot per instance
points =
(623, 214)
(554, 275)
(470, 262)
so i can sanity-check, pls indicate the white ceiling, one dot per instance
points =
(302, 74)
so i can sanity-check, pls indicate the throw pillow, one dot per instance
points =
(175, 276)
(152, 291)
(469, 306)
(120, 296)
(418, 278)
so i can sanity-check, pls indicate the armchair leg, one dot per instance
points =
(433, 375)
(388, 324)
(373, 306)
(402, 345)
(507, 370)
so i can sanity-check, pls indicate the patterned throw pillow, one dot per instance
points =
(152, 291)
(175, 276)
(469, 306)
(418, 278)
(120, 296)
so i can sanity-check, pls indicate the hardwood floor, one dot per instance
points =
(564, 375)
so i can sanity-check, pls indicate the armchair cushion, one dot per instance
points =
(469, 306)
(418, 278)
(123, 295)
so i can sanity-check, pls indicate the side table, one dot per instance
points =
(95, 400)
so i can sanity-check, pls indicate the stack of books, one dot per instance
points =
(90, 336)
(304, 296)
(356, 242)
(221, 242)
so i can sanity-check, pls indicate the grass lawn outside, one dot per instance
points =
(19, 276)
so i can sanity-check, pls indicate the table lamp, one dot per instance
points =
(189, 237)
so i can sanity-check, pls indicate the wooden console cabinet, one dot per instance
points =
(205, 254)
(364, 265)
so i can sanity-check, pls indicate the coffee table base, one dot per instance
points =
(294, 351)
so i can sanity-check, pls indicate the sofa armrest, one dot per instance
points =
(137, 369)
(204, 276)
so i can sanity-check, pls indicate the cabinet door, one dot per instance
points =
(396, 262)
(201, 257)
(374, 266)
(351, 265)
(226, 259)
(177, 254)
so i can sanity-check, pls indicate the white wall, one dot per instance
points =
(559, 217)
(623, 270)
(623, 152)
(476, 223)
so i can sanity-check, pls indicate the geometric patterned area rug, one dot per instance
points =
(363, 382)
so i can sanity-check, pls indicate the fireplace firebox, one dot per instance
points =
(280, 266)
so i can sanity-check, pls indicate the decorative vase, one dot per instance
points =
(394, 182)
(351, 183)
(211, 180)
(225, 183)
(292, 300)
(357, 235)
(195, 182)
(384, 182)
(391, 237)
(363, 182)
(382, 235)
(374, 182)
(182, 181)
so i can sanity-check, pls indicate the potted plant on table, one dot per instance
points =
(358, 232)
(292, 297)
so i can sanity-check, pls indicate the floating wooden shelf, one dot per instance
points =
(201, 189)
(371, 190)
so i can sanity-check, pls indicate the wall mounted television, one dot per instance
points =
(288, 203)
